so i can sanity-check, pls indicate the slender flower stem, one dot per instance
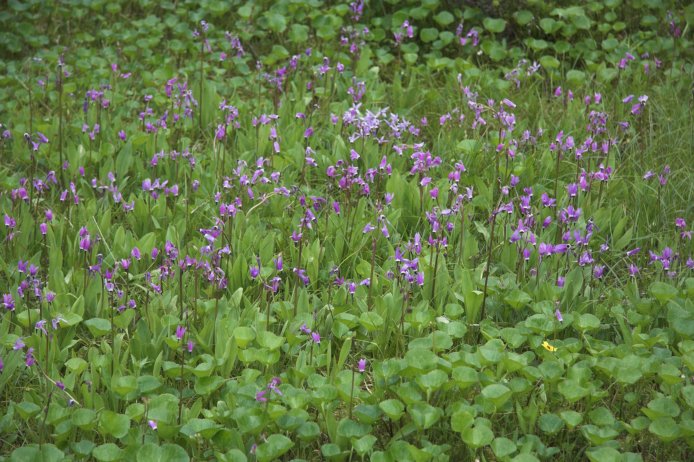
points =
(489, 262)
(351, 393)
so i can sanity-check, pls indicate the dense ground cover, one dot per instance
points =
(345, 231)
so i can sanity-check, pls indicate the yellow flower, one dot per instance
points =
(548, 347)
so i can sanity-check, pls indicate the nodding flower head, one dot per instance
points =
(180, 332)
(361, 365)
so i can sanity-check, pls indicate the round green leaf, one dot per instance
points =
(98, 326)
(497, 394)
(150, 452)
(428, 34)
(503, 447)
(113, 424)
(550, 423)
(444, 18)
(477, 436)
(274, 447)
(108, 452)
(493, 25)
(393, 408)
(665, 428)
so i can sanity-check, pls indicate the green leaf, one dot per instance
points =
(243, 335)
(206, 385)
(550, 423)
(444, 18)
(503, 447)
(599, 435)
(308, 431)
(276, 22)
(517, 298)
(497, 394)
(364, 444)
(124, 385)
(150, 452)
(662, 291)
(76, 365)
(393, 408)
(432, 380)
(27, 409)
(663, 406)
(267, 339)
(83, 418)
(463, 419)
(523, 17)
(549, 25)
(108, 452)
(330, 450)
(572, 390)
(113, 424)
(604, 454)
(601, 416)
(205, 427)
(421, 359)
(348, 428)
(576, 77)
(371, 321)
(424, 415)
(586, 322)
(45, 453)
(549, 62)
(688, 395)
(274, 447)
(25, 454)
(609, 44)
(298, 33)
(478, 435)
(98, 326)
(428, 34)
(494, 26)
(665, 428)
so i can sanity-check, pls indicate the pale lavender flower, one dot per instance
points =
(361, 365)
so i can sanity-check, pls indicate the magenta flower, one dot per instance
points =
(260, 396)
(85, 244)
(152, 424)
(316, 337)
(361, 365)
(191, 345)
(180, 332)
(557, 313)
